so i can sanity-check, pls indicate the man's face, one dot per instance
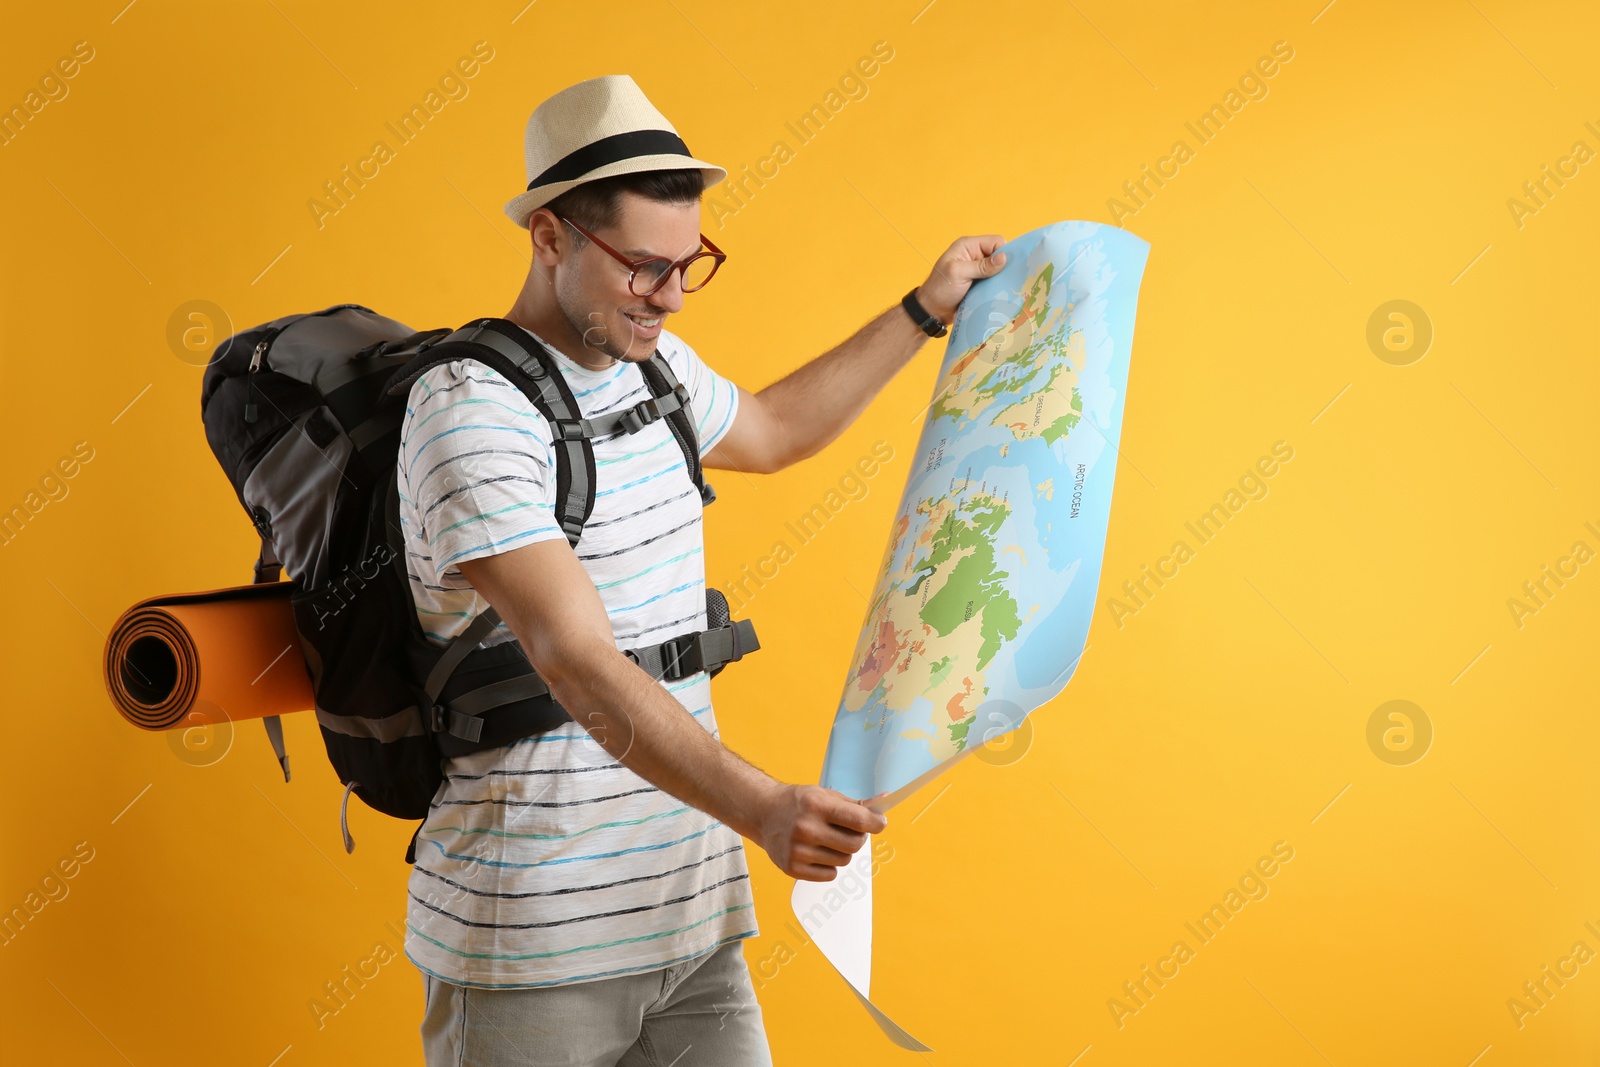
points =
(592, 288)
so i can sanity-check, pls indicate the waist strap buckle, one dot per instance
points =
(682, 656)
(448, 720)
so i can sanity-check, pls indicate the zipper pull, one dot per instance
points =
(255, 365)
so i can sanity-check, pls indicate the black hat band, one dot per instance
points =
(618, 146)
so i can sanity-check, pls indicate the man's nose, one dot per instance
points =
(669, 298)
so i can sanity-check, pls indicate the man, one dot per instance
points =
(580, 895)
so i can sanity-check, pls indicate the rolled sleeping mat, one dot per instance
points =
(208, 658)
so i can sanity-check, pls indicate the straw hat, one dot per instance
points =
(598, 129)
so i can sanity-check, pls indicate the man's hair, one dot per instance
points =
(596, 205)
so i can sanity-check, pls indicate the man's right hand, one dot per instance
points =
(810, 832)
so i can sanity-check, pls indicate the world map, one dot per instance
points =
(987, 586)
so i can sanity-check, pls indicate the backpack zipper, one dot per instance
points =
(250, 376)
(261, 350)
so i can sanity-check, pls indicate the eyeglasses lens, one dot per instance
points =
(698, 272)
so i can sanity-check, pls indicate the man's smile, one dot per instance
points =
(646, 326)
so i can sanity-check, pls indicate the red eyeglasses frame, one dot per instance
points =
(636, 265)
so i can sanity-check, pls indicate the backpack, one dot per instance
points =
(303, 413)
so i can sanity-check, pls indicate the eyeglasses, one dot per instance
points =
(645, 276)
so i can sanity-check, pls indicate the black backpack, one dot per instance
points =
(304, 414)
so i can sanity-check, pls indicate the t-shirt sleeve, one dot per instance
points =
(476, 465)
(713, 399)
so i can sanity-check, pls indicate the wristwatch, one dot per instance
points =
(919, 315)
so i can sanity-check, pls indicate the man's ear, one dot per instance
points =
(546, 236)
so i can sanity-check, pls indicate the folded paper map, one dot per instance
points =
(983, 600)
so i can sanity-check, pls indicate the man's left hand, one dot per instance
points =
(969, 259)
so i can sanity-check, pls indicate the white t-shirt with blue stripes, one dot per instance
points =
(547, 862)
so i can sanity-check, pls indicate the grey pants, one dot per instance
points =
(698, 1013)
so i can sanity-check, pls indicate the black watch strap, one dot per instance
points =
(919, 315)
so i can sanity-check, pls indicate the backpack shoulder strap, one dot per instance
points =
(680, 419)
(526, 365)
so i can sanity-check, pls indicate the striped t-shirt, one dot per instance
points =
(546, 861)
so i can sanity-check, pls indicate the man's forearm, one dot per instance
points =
(817, 401)
(644, 728)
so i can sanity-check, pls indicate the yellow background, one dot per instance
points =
(1228, 714)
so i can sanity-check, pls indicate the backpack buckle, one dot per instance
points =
(640, 415)
(682, 656)
(567, 429)
(447, 720)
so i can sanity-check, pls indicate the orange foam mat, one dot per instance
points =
(207, 658)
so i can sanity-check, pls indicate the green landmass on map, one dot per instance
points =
(973, 580)
(1033, 359)
(952, 584)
